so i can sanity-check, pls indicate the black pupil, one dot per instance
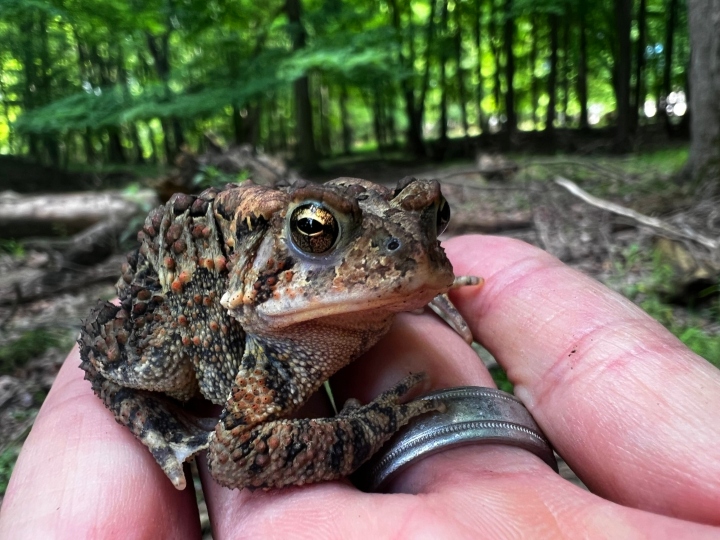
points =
(314, 229)
(309, 226)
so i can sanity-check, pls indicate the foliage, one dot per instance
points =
(11, 247)
(501, 380)
(702, 343)
(84, 81)
(650, 293)
(210, 176)
(8, 457)
(29, 345)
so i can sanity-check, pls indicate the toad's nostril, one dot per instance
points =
(393, 244)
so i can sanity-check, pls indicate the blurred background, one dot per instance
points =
(89, 83)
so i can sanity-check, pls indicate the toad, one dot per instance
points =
(252, 297)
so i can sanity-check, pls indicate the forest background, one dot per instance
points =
(121, 81)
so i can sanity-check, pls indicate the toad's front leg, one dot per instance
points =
(301, 451)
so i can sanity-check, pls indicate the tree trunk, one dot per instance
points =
(88, 146)
(415, 143)
(389, 116)
(123, 79)
(582, 84)
(534, 90)
(168, 147)
(495, 47)
(159, 47)
(479, 91)
(8, 119)
(623, 19)
(566, 67)
(345, 120)
(237, 120)
(282, 132)
(103, 76)
(29, 100)
(155, 154)
(116, 152)
(552, 78)
(178, 135)
(704, 23)
(378, 123)
(306, 153)
(324, 111)
(639, 98)
(271, 143)
(413, 134)
(246, 123)
(508, 40)
(671, 12)
(443, 79)
(50, 140)
(425, 84)
(459, 71)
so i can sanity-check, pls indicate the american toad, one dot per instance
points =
(253, 297)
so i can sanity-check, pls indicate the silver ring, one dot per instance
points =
(473, 415)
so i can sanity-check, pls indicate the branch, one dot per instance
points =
(651, 222)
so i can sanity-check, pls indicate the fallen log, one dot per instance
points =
(87, 247)
(30, 284)
(22, 216)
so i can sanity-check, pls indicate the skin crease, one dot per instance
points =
(631, 409)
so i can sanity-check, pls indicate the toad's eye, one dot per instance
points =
(443, 215)
(313, 228)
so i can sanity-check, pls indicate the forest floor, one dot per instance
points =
(525, 204)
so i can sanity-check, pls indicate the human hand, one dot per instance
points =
(632, 411)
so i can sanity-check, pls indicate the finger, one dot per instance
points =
(631, 409)
(492, 494)
(80, 474)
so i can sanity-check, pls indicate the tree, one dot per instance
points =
(552, 79)
(582, 74)
(639, 97)
(508, 42)
(92, 81)
(671, 14)
(704, 22)
(623, 19)
(306, 152)
(479, 90)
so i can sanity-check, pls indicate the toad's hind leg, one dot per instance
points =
(171, 435)
(301, 451)
(160, 422)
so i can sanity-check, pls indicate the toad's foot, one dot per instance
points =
(442, 305)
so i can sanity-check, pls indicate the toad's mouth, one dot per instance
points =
(343, 309)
